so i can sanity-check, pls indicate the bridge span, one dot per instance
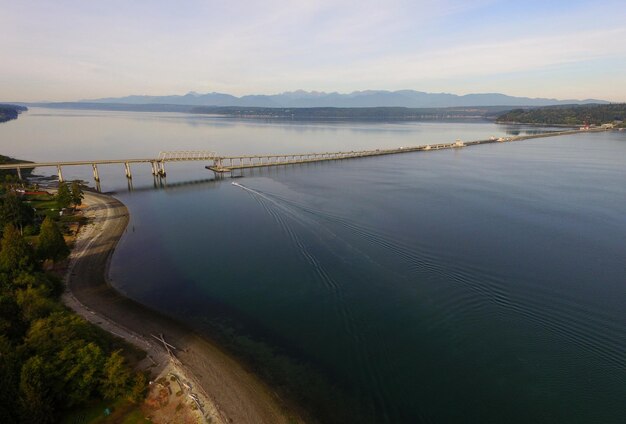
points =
(225, 164)
(157, 164)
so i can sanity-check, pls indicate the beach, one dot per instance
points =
(228, 392)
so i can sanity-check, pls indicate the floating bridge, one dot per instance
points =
(226, 164)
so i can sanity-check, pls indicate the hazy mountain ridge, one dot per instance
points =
(368, 98)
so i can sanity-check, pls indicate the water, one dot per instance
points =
(477, 285)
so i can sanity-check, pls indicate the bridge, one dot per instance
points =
(157, 164)
(226, 164)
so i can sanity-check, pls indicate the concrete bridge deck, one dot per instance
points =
(224, 164)
(231, 163)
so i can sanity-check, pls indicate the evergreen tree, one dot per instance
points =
(116, 378)
(77, 194)
(80, 368)
(137, 391)
(51, 243)
(64, 196)
(10, 377)
(16, 254)
(35, 397)
(14, 211)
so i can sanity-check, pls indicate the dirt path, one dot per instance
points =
(231, 393)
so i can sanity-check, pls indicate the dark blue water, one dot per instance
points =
(485, 284)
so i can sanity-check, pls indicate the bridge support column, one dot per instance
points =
(96, 175)
(127, 171)
(60, 173)
(153, 168)
(19, 173)
(162, 169)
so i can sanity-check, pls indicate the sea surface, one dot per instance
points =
(484, 284)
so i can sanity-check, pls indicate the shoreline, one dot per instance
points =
(230, 393)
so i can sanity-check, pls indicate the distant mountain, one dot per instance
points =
(369, 98)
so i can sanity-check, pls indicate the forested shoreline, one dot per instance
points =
(573, 115)
(51, 360)
(9, 112)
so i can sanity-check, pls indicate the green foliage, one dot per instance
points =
(51, 243)
(80, 365)
(567, 115)
(138, 388)
(16, 254)
(36, 399)
(50, 358)
(77, 194)
(11, 324)
(35, 303)
(64, 196)
(117, 377)
(9, 172)
(58, 329)
(10, 378)
(15, 212)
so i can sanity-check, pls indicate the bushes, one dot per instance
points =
(51, 242)
(50, 358)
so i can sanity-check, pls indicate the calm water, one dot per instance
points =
(485, 284)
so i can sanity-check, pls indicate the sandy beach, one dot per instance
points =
(229, 392)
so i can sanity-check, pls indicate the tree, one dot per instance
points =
(138, 389)
(14, 211)
(58, 329)
(77, 194)
(16, 254)
(64, 196)
(34, 303)
(11, 325)
(10, 377)
(51, 243)
(80, 369)
(36, 401)
(116, 378)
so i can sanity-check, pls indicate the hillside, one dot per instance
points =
(316, 113)
(367, 98)
(8, 160)
(567, 115)
(9, 112)
(354, 113)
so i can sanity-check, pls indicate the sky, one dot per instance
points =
(67, 50)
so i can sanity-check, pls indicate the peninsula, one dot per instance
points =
(570, 115)
(9, 112)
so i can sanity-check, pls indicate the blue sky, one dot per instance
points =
(70, 49)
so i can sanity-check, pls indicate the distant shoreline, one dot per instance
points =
(9, 112)
(335, 114)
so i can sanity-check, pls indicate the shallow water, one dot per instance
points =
(484, 284)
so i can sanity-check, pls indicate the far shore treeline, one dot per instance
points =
(5, 160)
(9, 112)
(568, 115)
(297, 113)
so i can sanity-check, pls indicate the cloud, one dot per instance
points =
(78, 49)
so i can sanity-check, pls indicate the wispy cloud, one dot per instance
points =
(73, 49)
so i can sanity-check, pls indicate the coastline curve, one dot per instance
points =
(233, 393)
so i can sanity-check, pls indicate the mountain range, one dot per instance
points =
(368, 98)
